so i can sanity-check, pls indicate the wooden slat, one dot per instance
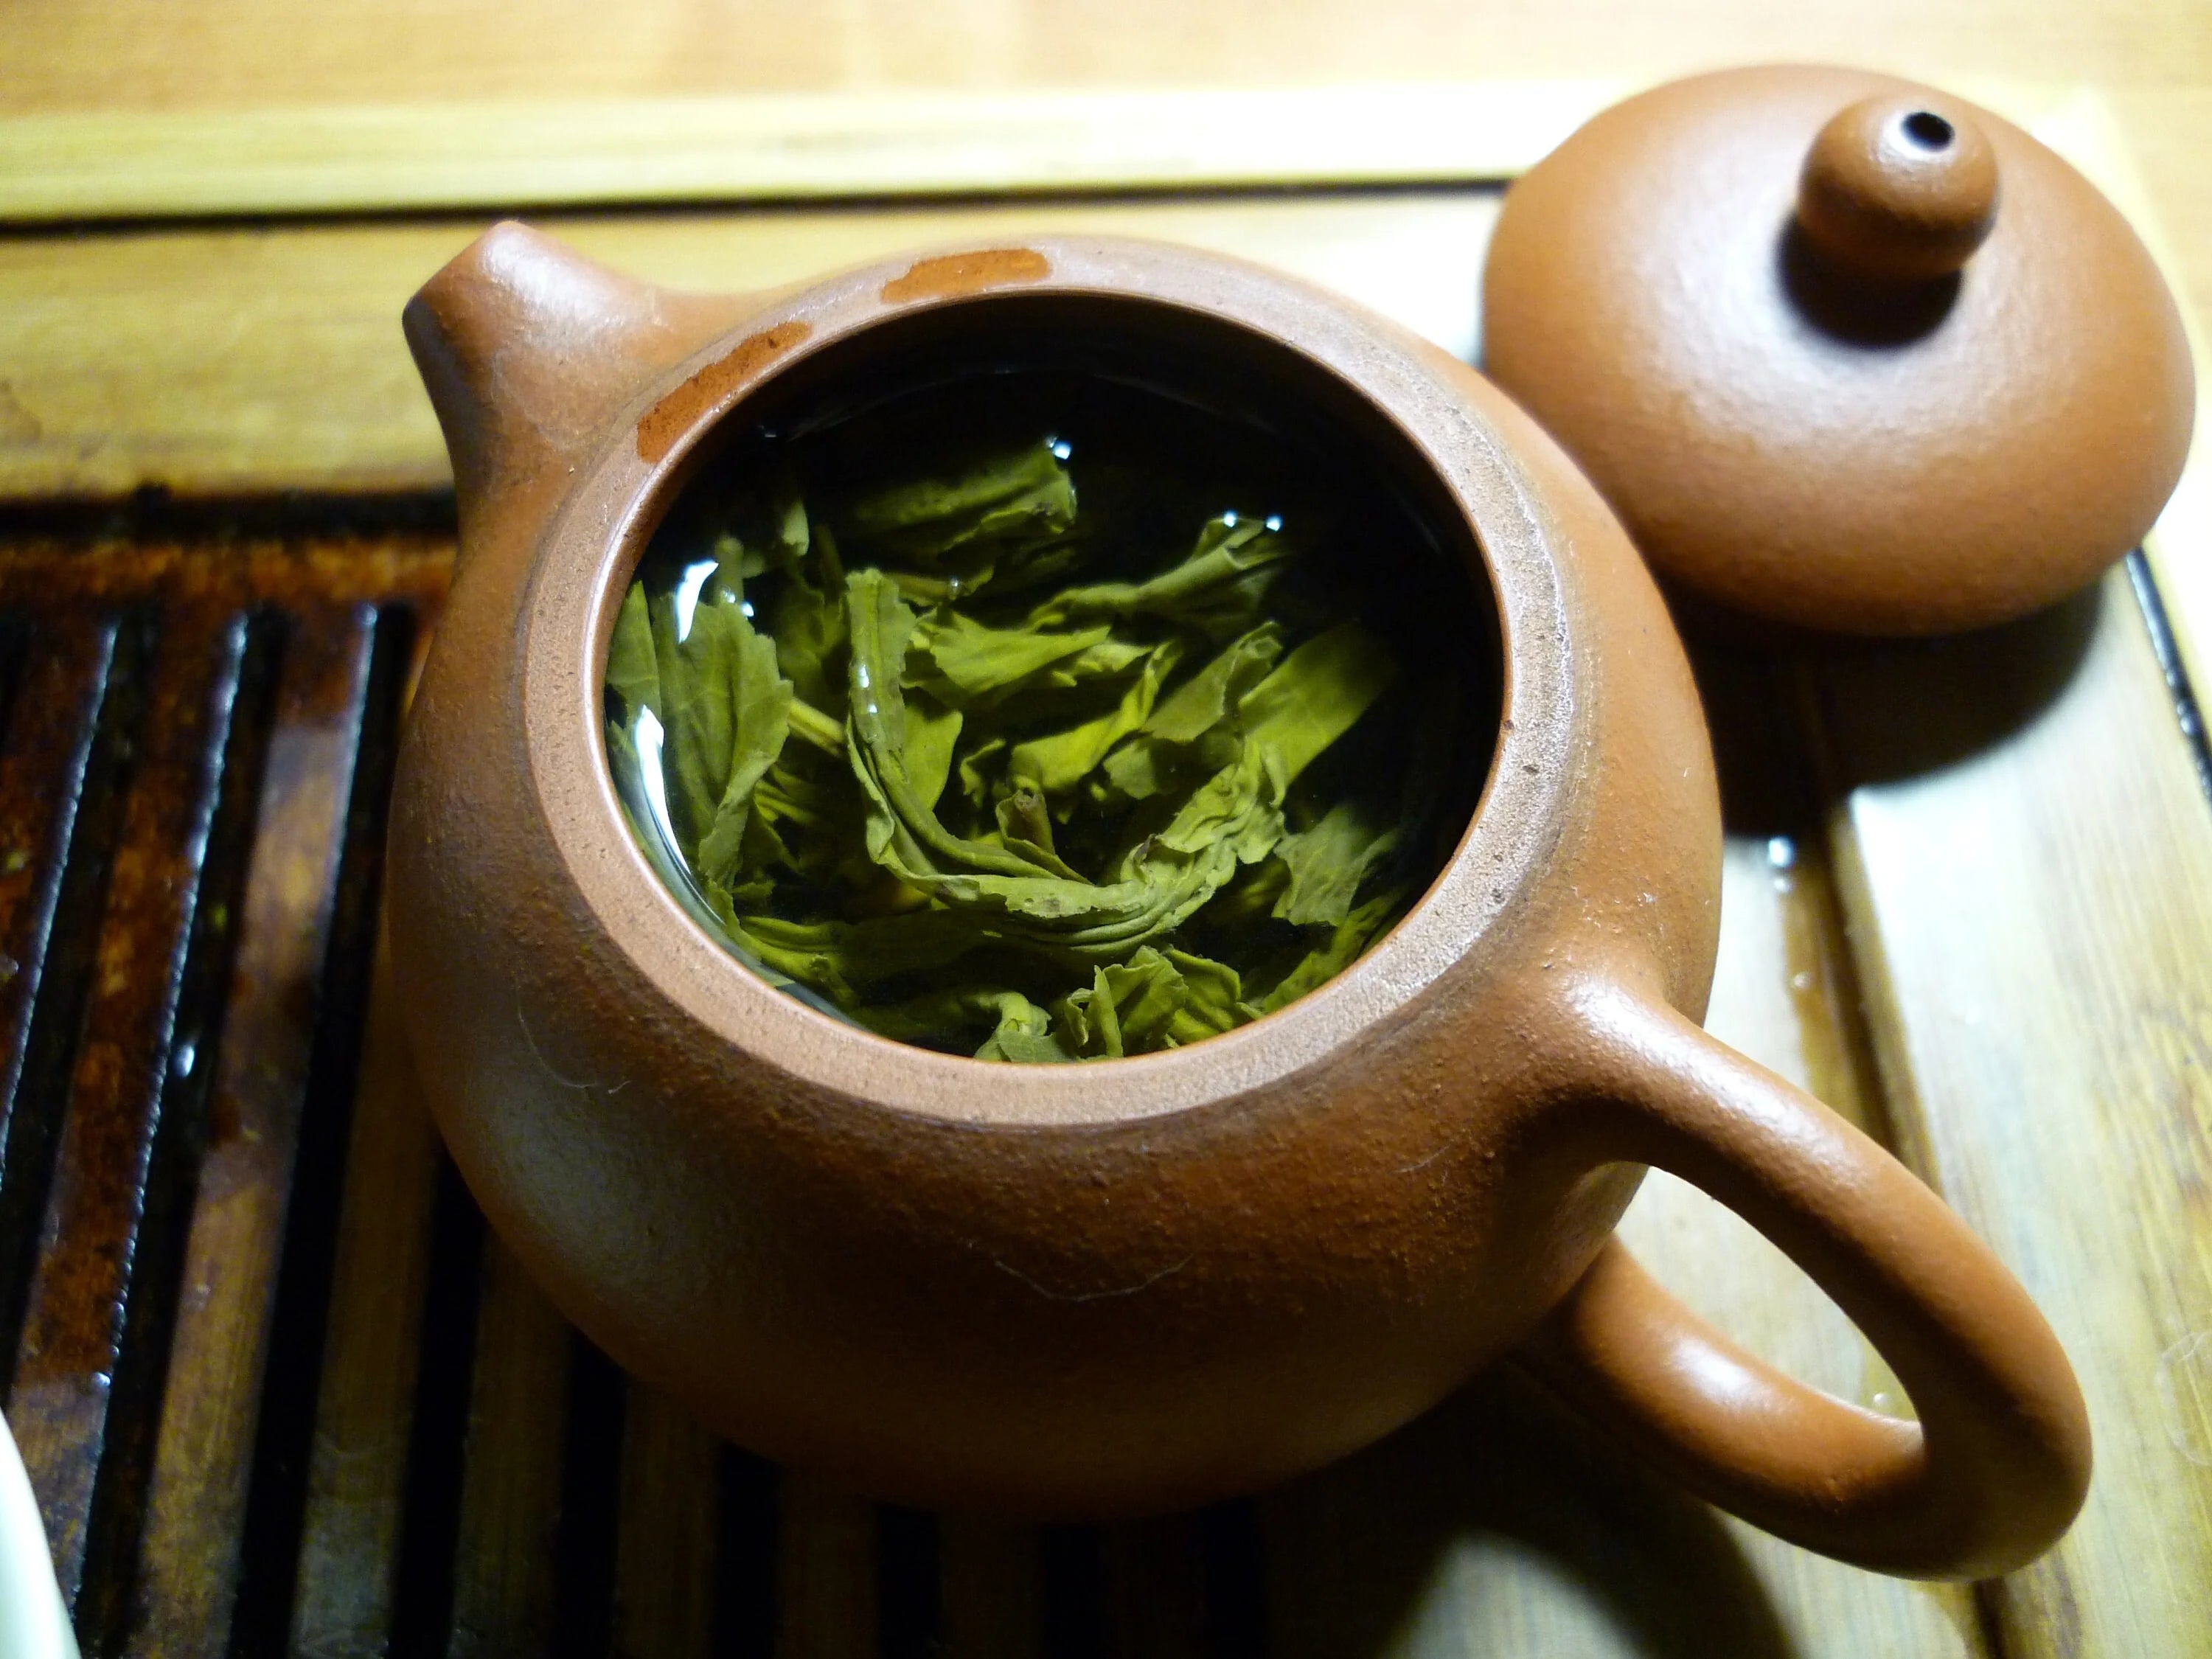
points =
(203, 359)
(1496, 1525)
(231, 54)
(1156, 1602)
(331, 158)
(2030, 879)
(505, 1588)
(197, 1504)
(72, 1336)
(43, 755)
(990, 1600)
(826, 1589)
(669, 1524)
(350, 1539)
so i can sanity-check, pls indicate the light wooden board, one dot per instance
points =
(334, 158)
(214, 362)
(2029, 877)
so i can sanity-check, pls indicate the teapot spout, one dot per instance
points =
(527, 349)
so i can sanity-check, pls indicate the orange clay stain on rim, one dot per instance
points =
(952, 275)
(676, 414)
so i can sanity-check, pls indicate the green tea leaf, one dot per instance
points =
(963, 664)
(1180, 734)
(905, 835)
(1315, 696)
(808, 628)
(1344, 945)
(1218, 588)
(842, 959)
(932, 732)
(764, 528)
(1022, 496)
(1154, 1001)
(1058, 763)
(1025, 1035)
(633, 671)
(980, 771)
(1328, 862)
(1205, 700)
(1020, 1031)
(697, 723)
(760, 707)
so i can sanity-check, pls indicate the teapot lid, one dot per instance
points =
(1842, 351)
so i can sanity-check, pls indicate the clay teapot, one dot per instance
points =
(1141, 1284)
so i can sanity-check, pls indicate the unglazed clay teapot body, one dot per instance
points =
(1145, 1283)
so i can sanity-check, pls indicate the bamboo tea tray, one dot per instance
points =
(279, 1392)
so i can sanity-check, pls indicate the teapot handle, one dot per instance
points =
(1998, 1464)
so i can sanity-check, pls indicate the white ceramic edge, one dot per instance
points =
(33, 1623)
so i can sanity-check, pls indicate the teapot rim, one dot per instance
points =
(621, 492)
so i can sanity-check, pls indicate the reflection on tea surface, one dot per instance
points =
(1045, 716)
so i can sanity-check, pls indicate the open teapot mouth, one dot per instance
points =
(1298, 390)
(1050, 676)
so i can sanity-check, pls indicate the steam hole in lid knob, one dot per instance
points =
(1927, 128)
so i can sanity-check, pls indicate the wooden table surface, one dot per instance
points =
(276, 1390)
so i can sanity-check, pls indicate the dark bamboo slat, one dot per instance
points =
(505, 1583)
(670, 1517)
(365, 1413)
(195, 1523)
(54, 702)
(827, 1587)
(131, 1059)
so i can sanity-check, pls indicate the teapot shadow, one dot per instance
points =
(1503, 1515)
(1887, 710)
(1902, 708)
(1850, 310)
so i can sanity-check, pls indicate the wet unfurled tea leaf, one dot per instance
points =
(962, 663)
(760, 708)
(1002, 506)
(633, 671)
(724, 709)
(989, 770)
(1156, 999)
(1325, 961)
(1056, 763)
(1218, 588)
(1330, 863)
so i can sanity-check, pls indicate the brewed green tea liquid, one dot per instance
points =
(1045, 716)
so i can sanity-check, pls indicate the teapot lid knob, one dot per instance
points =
(1899, 189)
